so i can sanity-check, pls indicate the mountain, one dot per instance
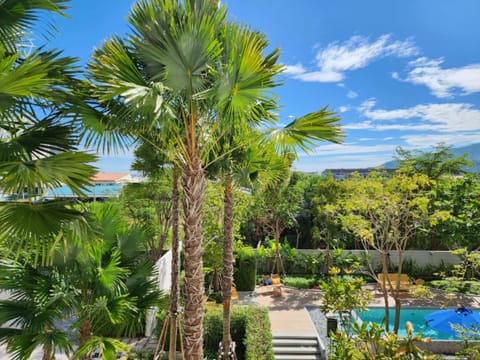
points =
(473, 151)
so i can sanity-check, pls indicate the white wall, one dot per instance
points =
(163, 269)
(420, 257)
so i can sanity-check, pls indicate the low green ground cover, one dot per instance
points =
(469, 287)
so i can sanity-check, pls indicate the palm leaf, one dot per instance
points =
(306, 131)
(34, 224)
(107, 347)
(18, 16)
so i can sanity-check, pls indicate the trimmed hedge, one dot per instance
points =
(245, 273)
(247, 323)
(258, 336)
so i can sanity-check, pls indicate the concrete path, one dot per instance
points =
(287, 312)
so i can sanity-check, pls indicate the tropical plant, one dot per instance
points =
(170, 76)
(38, 141)
(39, 300)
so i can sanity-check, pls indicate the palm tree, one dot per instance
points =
(38, 141)
(188, 75)
(103, 282)
(111, 275)
(31, 314)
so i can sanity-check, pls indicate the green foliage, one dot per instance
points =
(39, 145)
(104, 282)
(460, 198)
(342, 295)
(470, 287)
(107, 348)
(436, 163)
(246, 325)
(258, 347)
(429, 271)
(245, 272)
(370, 342)
(300, 282)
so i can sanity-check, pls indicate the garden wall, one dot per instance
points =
(421, 257)
(304, 261)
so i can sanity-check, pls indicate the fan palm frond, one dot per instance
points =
(305, 131)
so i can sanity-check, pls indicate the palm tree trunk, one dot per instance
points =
(227, 263)
(47, 352)
(84, 335)
(194, 191)
(174, 289)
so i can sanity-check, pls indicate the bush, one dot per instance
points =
(300, 282)
(245, 273)
(469, 287)
(258, 347)
(246, 325)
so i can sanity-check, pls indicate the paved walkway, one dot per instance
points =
(287, 312)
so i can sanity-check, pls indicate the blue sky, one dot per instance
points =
(404, 73)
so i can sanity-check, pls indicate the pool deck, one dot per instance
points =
(287, 312)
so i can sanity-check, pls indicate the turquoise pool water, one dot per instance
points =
(415, 316)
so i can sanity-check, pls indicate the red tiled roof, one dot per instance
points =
(105, 177)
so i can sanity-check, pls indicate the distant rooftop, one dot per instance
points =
(112, 178)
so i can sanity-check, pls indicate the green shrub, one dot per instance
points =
(246, 325)
(245, 273)
(300, 282)
(258, 347)
(469, 287)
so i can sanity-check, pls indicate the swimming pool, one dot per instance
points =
(415, 316)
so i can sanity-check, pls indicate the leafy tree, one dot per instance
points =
(275, 209)
(150, 203)
(459, 197)
(343, 295)
(103, 283)
(328, 193)
(384, 213)
(436, 163)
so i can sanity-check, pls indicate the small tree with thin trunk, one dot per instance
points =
(384, 213)
(276, 208)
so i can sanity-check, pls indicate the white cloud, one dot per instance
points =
(448, 117)
(356, 53)
(348, 161)
(296, 69)
(352, 94)
(443, 82)
(348, 149)
(457, 139)
(319, 76)
(343, 109)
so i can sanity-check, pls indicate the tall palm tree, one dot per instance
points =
(178, 74)
(38, 141)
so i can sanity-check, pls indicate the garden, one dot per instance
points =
(191, 93)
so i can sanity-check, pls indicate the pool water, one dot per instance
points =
(415, 316)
